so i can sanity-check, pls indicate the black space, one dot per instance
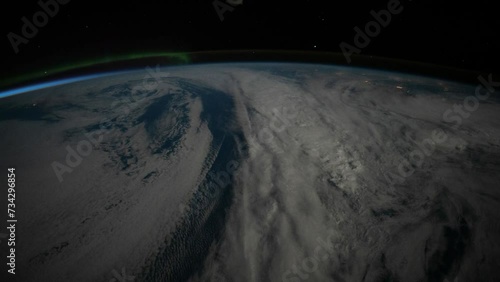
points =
(461, 34)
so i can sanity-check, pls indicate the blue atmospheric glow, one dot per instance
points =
(43, 85)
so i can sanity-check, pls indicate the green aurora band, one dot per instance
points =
(182, 58)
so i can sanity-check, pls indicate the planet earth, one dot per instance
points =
(254, 172)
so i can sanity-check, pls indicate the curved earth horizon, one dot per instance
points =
(255, 172)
